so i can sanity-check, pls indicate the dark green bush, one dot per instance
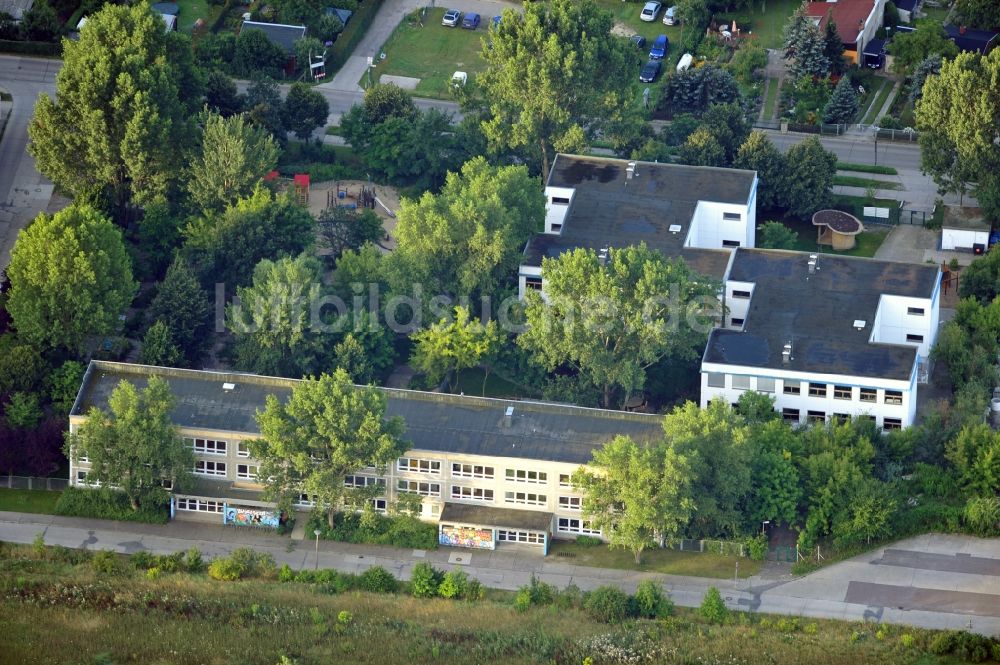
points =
(651, 602)
(607, 603)
(226, 570)
(588, 541)
(105, 561)
(399, 531)
(377, 580)
(193, 561)
(286, 574)
(104, 503)
(425, 580)
(143, 560)
(31, 48)
(713, 609)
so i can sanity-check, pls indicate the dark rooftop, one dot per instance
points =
(905, 5)
(971, 39)
(816, 313)
(434, 422)
(283, 35)
(610, 209)
(466, 514)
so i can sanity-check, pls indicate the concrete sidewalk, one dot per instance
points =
(820, 595)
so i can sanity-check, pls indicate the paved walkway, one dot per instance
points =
(961, 574)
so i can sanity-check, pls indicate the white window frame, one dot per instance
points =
(247, 471)
(741, 382)
(525, 498)
(570, 503)
(568, 482)
(242, 449)
(420, 487)
(713, 380)
(526, 476)
(893, 397)
(199, 505)
(518, 536)
(868, 395)
(207, 446)
(358, 481)
(791, 387)
(463, 470)
(841, 389)
(469, 493)
(576, 525)
(818, 389)
(418, 465)
(210, 468)
(890, 424)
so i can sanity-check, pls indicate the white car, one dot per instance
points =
(670, 16)
(650, 11)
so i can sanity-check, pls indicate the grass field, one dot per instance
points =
(60, 613)
(433, 53)
(767, 25)
(854, 181)
(669, 562)
(627, 14)
(470, 382)
(874, 111)
(29, 501)
(192, 10)
(867, 168)
(868, 241)
(771, 100)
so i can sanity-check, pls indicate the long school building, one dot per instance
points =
(490, 472)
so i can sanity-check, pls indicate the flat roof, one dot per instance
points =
(434, 421)
(467, 514)
(610, 209)
(964, 218)
(970, 39)
(816, 313)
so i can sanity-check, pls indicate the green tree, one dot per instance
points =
(451, 345)
(747, 61)
(983, 14)
(702, 149)
(833, 47)
(981, 279)
(277, 328)
(714, 440)
(21, 366)
(775, 235)
(909, 49)
(364, 355)
(929, 66)
(759, 154)
(233, 157)
(136, 446)
(304, 110)
(158, 347)
(221, 94)
(843, 104)
(637, 495)
(263, 104)
(868, 514)
(327, 27)
(226, 247)
(554, 77)
(306, 48)
(119, 123)
(776, 490)
(23, 411)
(341, 229)
(813, 167)
(694, 90)
(183, 306)
(255, 54)
(958, 116)
(419, 150)
(810, 95)
(468, 239)
(609, 321)
(70, 278)
(975, 454)
(40, 23)
(326, 429)
(381, 102)
(63, 384)
(805, 46)
(729, 125)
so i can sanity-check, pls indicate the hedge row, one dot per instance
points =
(107, 504)
(31, 48)
(352, 34)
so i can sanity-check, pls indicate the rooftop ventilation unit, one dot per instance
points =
(508, 415)
(228, 386)
(786, 353)
(812, 263)
(859, 324)
(675, 228)
(630, 171)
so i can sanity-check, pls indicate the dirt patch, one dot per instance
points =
(323, 194)
(622, 30)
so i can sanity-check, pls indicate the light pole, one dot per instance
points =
(316, 533)
(876, 128)
(762, 527)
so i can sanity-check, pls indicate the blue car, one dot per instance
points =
(471, 21)
(660, 46)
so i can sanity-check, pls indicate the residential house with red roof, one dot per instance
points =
(857, 22)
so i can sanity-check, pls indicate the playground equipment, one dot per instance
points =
(301, 184)
(341, 196)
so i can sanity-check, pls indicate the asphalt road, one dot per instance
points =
(903, 156)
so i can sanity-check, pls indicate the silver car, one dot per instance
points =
(452, 18)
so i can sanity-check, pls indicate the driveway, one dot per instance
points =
(941, 582)
(388, 17)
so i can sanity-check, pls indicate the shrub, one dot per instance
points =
(651, 602)
(345, 618)
(539, 592)
(255, 564)
(907, 640)
(425, 580)
(286, 574)
(171, 563)
(522, 601)
(377, 580)
(143, 560)
(454, 585)
(588, 541)
(982, 514)
(757, 547)
(607, 603)
(193, 561)
(38, 545)
(713, 609)
(943, 643)
(226, 570)
(108, 504)
(105, 562)
(153, 573)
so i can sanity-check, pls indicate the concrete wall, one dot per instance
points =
(893, 322)
(709, 228)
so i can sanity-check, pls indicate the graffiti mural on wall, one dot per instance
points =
(250, 517)
(459, 536)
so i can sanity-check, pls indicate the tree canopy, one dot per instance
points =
(304, 110)
(184, 307)
(909, 49)
(811, 169)
(136, 446)
(843, 104)
(326, 429)
(451, 345)
(553, 77)
(759, 154)
(120, 120)
(70, 277)
(610, 320)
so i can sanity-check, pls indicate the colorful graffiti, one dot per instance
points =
(250, 517)
(458, 536)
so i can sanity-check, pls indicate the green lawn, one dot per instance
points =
(192, 10)
(854, 181)
(866, 168)
(868, 241)
(627, 14)
(876, 108)
(670, 562)
(470, 382)
(433, 53)
(29, 501)
(771, 101)
(767, 25)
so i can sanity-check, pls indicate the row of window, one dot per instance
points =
(216, 446)
(199, 505)
(795, 416)
(531, 537)
(417, 465)
(573, 525)
(767, 385)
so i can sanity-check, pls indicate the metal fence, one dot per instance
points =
(908, 134)
(33, 483)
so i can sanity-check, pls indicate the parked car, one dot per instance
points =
(471, 21)
(670, 16)
(649, 11)
(660, 47)
(650, 71)
(638, 40)
(452, 18)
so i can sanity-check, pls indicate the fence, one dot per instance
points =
(723, 547)
(33, 483)
(908, 134)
